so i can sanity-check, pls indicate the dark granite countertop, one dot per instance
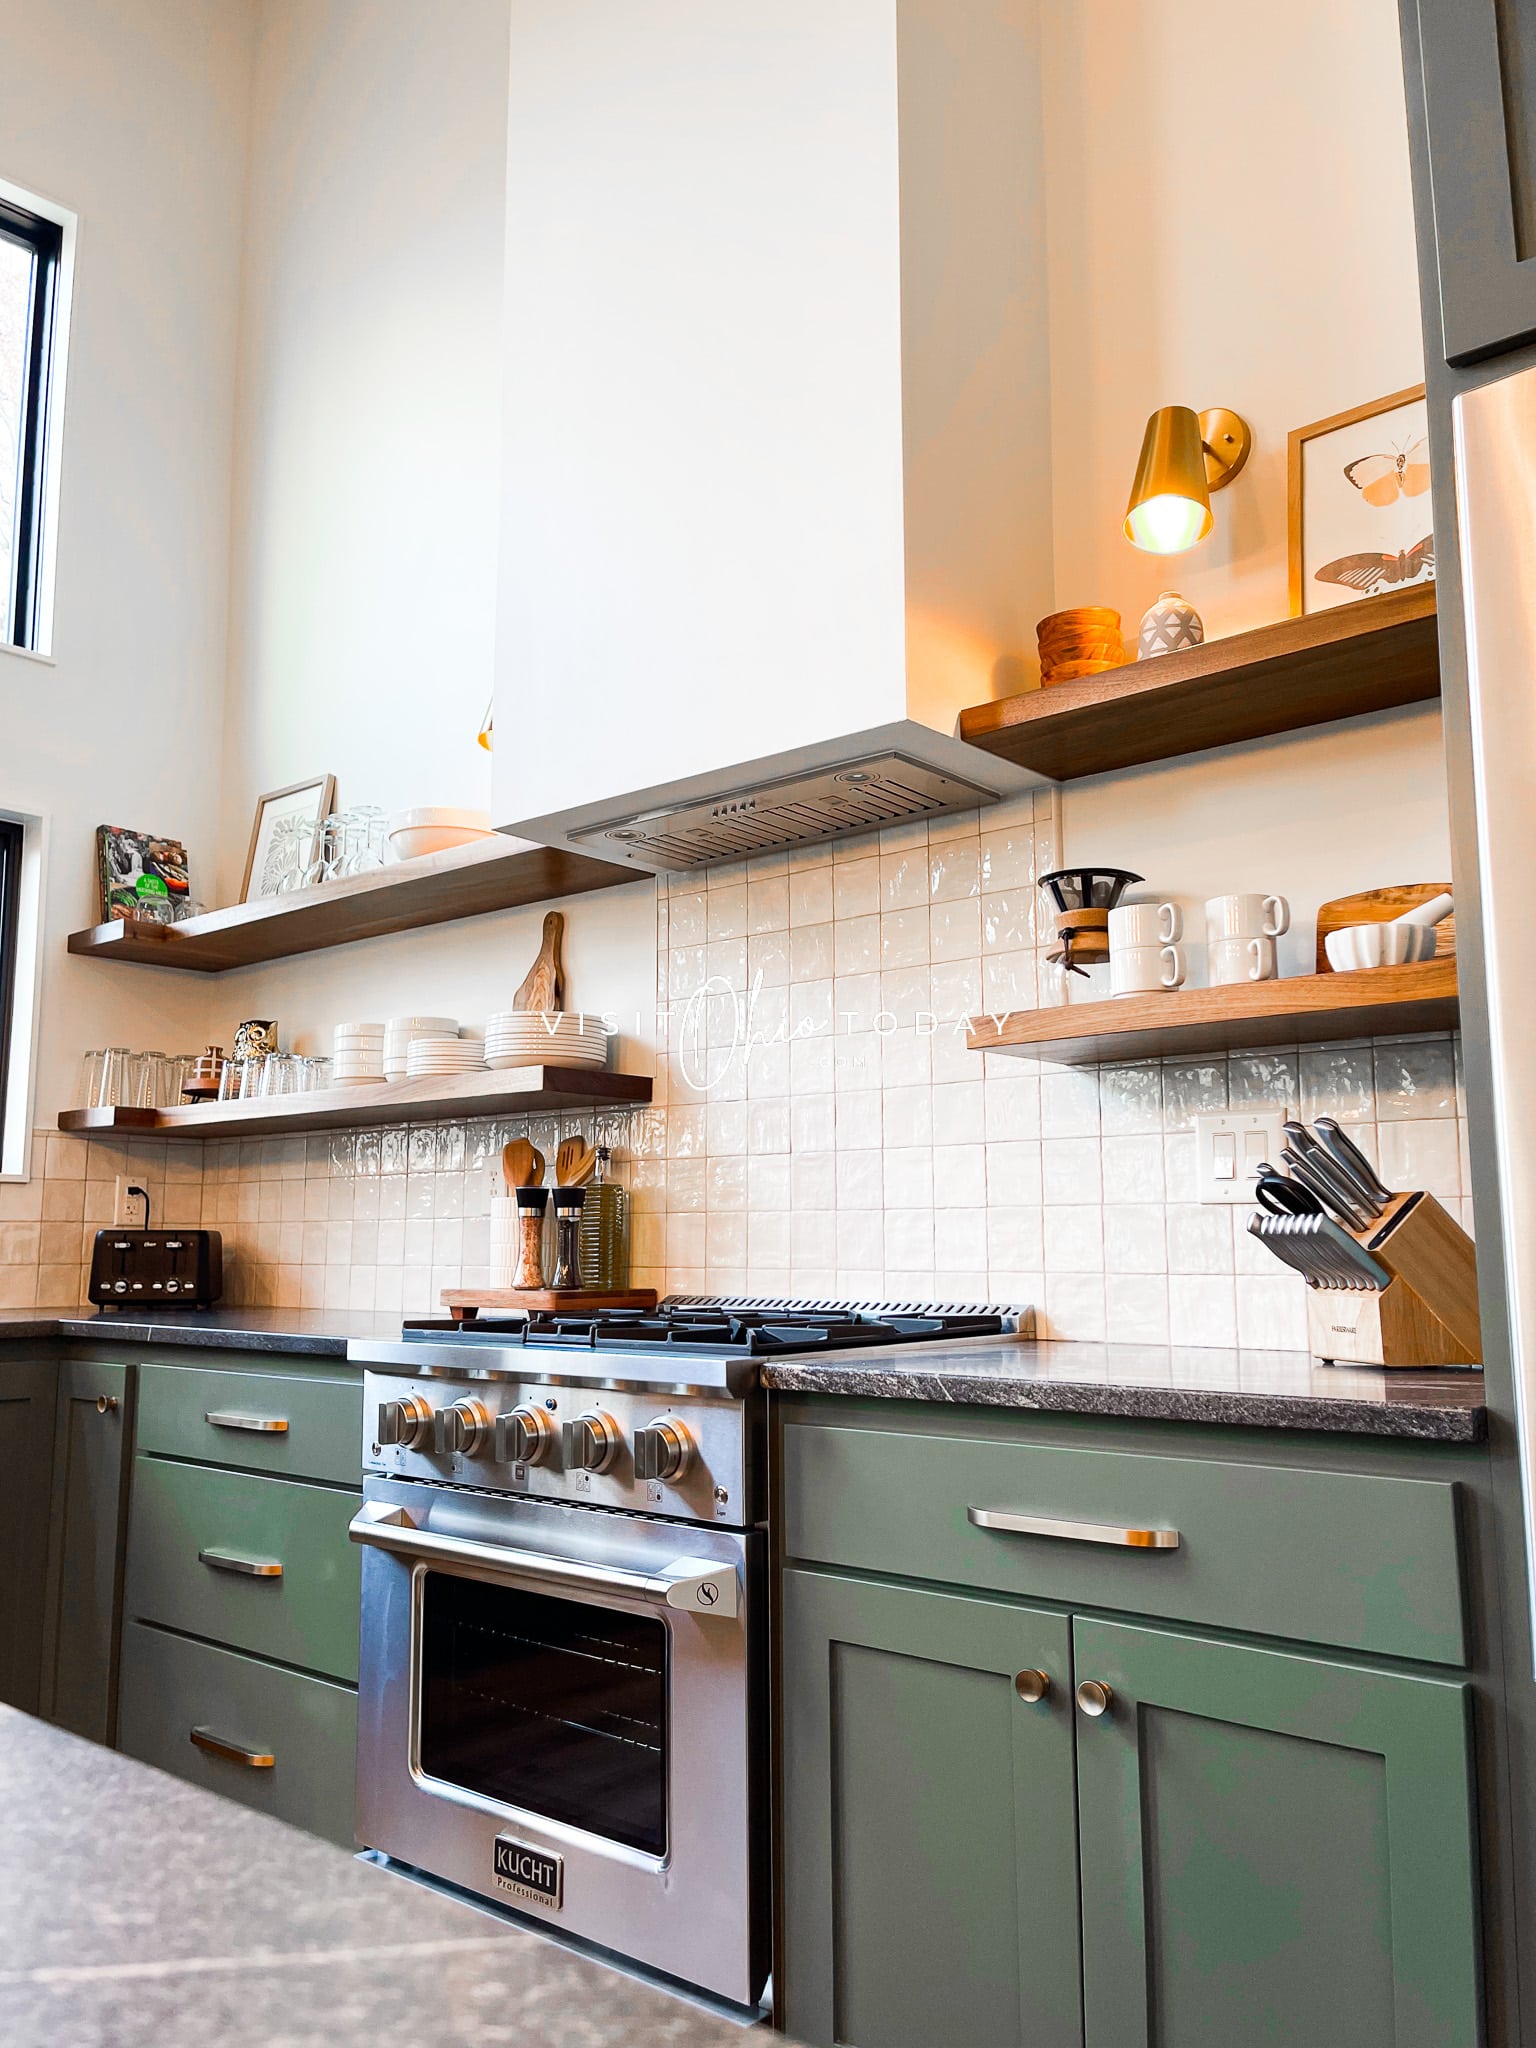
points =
(314, 1333)
(141, 1912)
(1153, 1382)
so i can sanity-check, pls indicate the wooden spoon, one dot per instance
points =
(522, 1165)
(575, 1163)
(544, 984)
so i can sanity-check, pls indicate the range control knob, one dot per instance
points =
(405, 1422)
(463, 1427)
(664, 1449)
(524, 1436)
(591, 1442)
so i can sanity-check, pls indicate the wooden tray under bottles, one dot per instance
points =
(465, 1303)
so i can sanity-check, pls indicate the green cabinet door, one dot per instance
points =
(1275, 1849)
(92, 1431)
(929, 1862)
(28, 1389)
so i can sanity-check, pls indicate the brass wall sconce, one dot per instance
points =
(1184, 457)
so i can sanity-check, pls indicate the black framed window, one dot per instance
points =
(30, 249)
(10, 923)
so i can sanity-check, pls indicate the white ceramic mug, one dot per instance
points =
(1246, 917)
(1144, 924)
(1251, 959)
(1143, 970)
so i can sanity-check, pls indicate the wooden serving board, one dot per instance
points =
(1380, 906)
(466, 1304)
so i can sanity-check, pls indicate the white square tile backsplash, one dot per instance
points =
(820, 1127)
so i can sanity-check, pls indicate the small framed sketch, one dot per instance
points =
(1359, 506)
(283, 836)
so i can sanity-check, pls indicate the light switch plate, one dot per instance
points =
(1229, 1145)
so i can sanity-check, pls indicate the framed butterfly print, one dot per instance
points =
(1359, 503)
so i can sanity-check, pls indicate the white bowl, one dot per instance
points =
(1361, 946)
(435, 829)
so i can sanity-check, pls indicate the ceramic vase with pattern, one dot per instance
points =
(1168, 625)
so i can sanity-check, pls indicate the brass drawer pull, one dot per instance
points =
(1073, 1532)
(1032, 1687)
(266, 1425)
(106, 1404)
(1094, 1698)
(233, 1561)
(231, 1752)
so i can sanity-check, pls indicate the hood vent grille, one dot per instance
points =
(796, 810)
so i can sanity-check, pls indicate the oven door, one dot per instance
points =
(557, 1709)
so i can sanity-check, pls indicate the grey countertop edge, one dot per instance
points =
(302, 1333)
(1295, 1394)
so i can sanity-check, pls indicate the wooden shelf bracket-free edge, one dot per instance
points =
(1196, 1020)
(496, 874)
(515, 1091)
(1372, 655)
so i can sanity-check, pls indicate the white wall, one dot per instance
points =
(133, 115)
(366, 505)
(1230, 224)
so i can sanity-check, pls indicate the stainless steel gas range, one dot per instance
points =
(561, 1692)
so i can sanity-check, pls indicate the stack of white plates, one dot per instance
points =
(438, 1053)
(357, 1054)
(528, 1038)
(399, 1032)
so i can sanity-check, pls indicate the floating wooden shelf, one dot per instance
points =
(496, 874)
(1367, 656)
(515, 1091)
(1301, 1006)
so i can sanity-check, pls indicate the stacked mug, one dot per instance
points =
(1144, 953)
(1240, 933)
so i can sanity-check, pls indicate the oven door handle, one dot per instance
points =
(688, 1583)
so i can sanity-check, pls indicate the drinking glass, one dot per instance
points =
(325, 852)
(148, 1080)
(238, 1080)
(316, 1072)
(279, 1074)
(92, 1069)
(116, 1078)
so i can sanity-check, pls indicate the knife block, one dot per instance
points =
(1426, 1315)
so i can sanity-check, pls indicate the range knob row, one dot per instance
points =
(664, 1449)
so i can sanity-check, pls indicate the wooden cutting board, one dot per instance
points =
(466, 1303)
(1380, 906)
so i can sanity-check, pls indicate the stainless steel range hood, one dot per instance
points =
(795, 810)
(777, 456)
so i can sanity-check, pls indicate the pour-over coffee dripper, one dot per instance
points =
(1084, 897)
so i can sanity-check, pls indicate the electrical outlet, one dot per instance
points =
(130, 1211)
(1229, 1146)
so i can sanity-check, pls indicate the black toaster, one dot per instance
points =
(160, 1266)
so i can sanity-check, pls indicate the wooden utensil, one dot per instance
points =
(575, 1163)
(544, 984)
(522, 1165)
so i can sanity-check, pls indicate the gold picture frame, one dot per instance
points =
(1363, 537)
(313, 800)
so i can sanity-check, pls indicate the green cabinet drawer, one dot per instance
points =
(262, 1564)
(265, 1422)
(1362, 1561)
(273, 1739)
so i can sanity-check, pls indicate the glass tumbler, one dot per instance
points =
(92, 1068)
(315, 1073)
(116, 1078)
(280, 1074)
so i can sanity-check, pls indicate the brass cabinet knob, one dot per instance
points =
(106, 1404)
(1094, 1699)
(1032, 1687)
